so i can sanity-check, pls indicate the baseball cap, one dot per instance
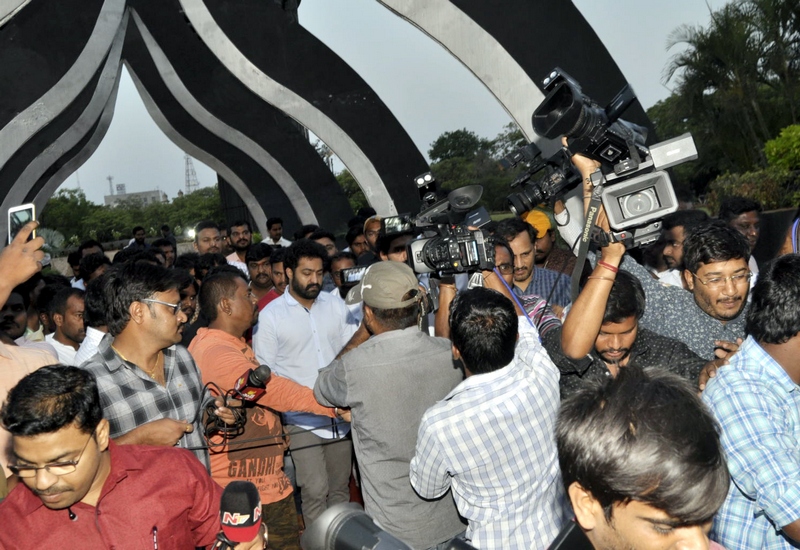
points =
(384, 285)
(240, 511)
(539, 220)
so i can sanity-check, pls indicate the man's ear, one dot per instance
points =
(224, 306)
(456, 353)
(288, 272)
(58, 319)
(194, 244)
(102, 434)
(136, 312)
(689, 278)
(587, 509)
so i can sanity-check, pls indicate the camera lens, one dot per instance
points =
(637, 204)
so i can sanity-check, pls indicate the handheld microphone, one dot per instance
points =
(252, 384)
(239, 513)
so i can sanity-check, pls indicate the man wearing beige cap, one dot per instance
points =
(389, 381)
(547, 254)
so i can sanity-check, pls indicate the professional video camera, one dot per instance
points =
(448, 245)
(637, 190)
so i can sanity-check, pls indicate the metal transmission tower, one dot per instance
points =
(110, 185)
(191, 176)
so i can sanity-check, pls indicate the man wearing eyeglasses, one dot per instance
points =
(709, 318)
(151, 390)
(80, 490)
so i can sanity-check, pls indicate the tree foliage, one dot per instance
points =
(735, 86)
(784, 150)
(78, 219)
(352, 190)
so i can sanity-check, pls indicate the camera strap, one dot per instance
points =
(586, 237)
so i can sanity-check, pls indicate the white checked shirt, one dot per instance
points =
(492, 441)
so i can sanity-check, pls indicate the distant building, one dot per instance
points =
(145, 198)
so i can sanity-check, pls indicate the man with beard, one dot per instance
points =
(340, 262)
(256, 455)
(298, 334)
(709, 318)
(258, 266)
(241, 237)
(676, 227)
(743, 215)
(66, 312)
(207, 238)
(601, 333)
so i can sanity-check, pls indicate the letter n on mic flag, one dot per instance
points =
(240, 511)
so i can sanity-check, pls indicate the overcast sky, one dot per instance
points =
(427, 89)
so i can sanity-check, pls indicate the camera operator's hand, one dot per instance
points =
(20, 260)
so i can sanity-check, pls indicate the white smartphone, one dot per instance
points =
(19, 216)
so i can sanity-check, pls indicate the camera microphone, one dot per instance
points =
(239, 514)
(252, 384)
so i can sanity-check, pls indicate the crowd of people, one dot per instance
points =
(656, 409)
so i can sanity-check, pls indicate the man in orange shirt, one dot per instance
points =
(223, 356)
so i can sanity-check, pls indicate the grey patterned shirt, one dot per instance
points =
(672, 312)
(130, 398)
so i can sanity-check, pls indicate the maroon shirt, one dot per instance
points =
(267, 298)
(149, 488)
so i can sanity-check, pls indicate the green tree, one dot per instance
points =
(457, 144)
(68, 212)
(352, 190)
(784, 151)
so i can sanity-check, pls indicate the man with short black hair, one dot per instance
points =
(66, 312)
(743, 215)
(275, 233)
(207, 238)
(298, 334)
(549, 284)
(150, 389)
(166, 233)
(601, 333)
(137, 243)
(94, 317)
(491, 439)
(675, 228)
(256, 455)
(79, 490)
(278, 277)
(642, 462)
(756, 401)
(356, 241)
(168, 249)
(257, 259)
(380, 380)
(241, 237)
(93, 266)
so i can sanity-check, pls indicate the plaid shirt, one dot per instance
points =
(130, 398)
(546, 281)
(492, 440)
(758, 407)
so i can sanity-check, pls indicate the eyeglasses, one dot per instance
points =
(715, 283)
(505, 268)
(175, 307)
(55, 468)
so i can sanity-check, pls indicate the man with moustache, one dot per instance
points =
(298, 334)
(674, 230)
(207, 238)
(241, 238)
(150, 388)
(256, 455)
(277, 276)
(743, 215)
(710, 318)
(80, 490)
(258, 267)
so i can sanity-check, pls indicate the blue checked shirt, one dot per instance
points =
(130, 398)
(544, 280)
(758, 407)
(492, 441)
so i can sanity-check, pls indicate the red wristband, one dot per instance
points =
(608, 266)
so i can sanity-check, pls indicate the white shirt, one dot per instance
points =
(296, 343)
(354, 312)
(233, 259)
(89, 345)
(671, 277)
(66, 354)
(284, 242)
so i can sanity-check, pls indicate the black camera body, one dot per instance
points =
(637, 191)
(452, 248)
(456, 249)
